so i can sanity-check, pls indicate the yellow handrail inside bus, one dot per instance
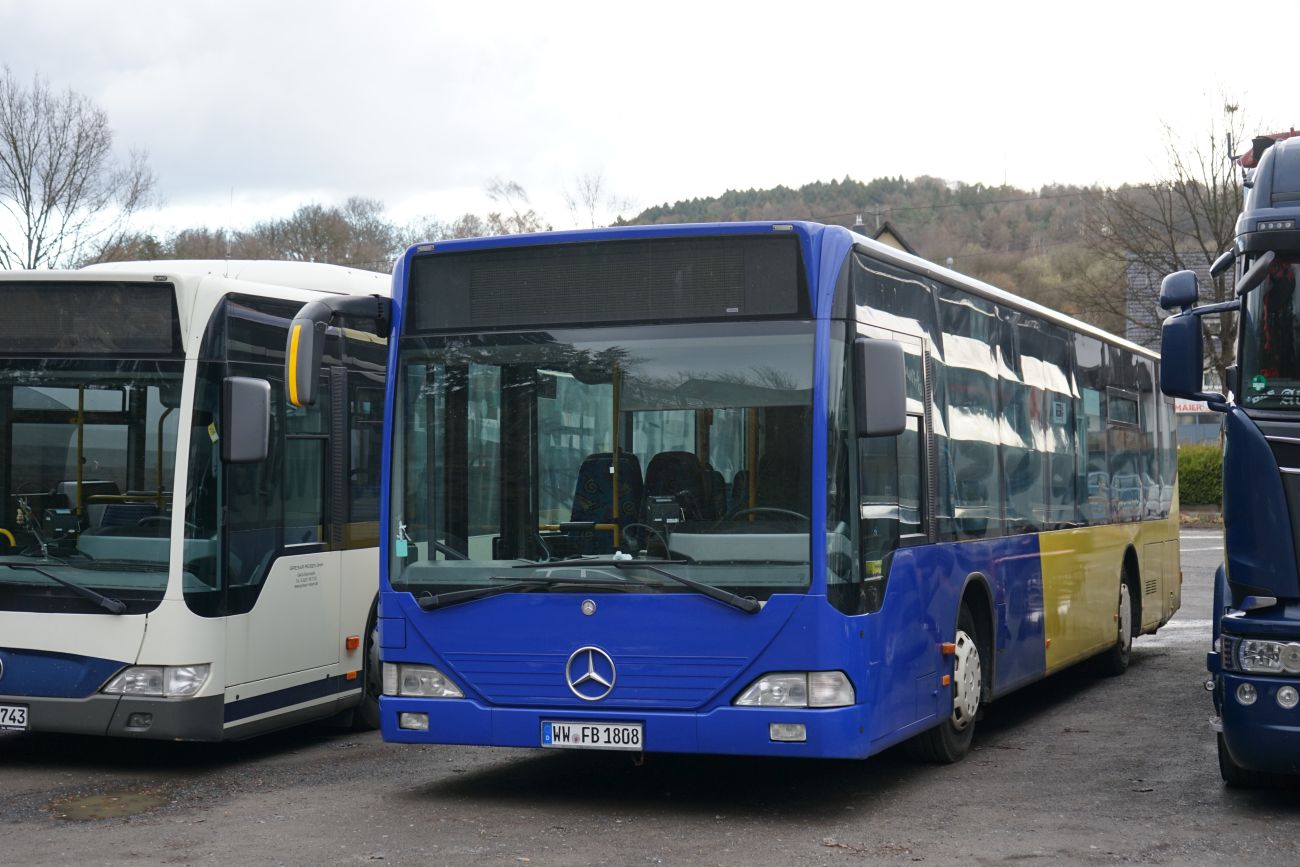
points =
(13, 543)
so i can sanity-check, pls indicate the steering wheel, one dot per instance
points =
(759, 510)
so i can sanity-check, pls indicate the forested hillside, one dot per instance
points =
(1029, 242)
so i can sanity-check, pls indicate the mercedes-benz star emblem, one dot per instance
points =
(590, 673)
(2, 669)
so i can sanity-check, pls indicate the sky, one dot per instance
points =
(248, 108)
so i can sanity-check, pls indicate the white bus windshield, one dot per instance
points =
(86, 477)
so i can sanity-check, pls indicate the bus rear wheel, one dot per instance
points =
(1115, 661)
(950, 741)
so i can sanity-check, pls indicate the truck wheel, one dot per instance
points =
(1237, 777)
(950, 741)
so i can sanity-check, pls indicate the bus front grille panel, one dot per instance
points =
(538, 680)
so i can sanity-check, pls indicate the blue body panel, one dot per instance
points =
(1257, 523)
(38, 674)
(683, 658)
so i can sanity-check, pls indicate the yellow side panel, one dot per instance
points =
(1081, 570)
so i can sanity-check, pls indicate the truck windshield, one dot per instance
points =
(688, 443)
(1270, 356)
(87, 452)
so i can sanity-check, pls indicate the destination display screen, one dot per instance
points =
(643, 280)
(88, 318)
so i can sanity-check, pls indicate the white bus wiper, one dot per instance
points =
(442, 600)
(748, 604)
(113, 606)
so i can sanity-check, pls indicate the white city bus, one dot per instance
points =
(183, 554)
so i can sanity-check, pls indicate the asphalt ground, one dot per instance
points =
(1076, 769)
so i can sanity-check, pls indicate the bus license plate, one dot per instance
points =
(591, 735)
(13, 717)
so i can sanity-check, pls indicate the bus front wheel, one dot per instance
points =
(366, 716)
(950, 741)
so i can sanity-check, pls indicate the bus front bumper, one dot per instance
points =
(830, 732)
(1262, 736)
(124, 716)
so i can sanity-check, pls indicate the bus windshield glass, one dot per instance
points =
(513, 446)
(87, 456)
(1270, 358)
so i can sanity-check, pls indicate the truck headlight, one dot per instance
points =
(161, 681)
(418, 681)
(1268, 657)
(798, 689)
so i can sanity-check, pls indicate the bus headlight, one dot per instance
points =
(161, 681)
(418, 681)
(1268, 657)
(798, 689)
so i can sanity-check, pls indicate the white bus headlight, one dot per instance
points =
(161, 681)
(418, 681)
(798, 689)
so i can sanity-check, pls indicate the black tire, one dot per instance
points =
(1114, 662)
(1237, 777)
(366, 715)
(950, 740)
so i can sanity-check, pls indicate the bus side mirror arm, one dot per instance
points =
(306, 341)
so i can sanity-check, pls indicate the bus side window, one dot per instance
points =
(892, 482)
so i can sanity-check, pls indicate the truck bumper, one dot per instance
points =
(1262, 736)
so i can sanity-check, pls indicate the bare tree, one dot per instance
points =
(512, 198)
(591, 203)
(1184, 220)
(61, 192)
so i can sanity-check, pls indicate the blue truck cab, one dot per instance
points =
(1254, 663)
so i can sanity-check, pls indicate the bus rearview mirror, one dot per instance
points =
(881, 374)
(306, 344)
(245, 419)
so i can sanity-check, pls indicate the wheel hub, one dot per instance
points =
(967, 681)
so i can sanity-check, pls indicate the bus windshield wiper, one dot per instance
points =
(745, 603)
(442, 600)
(108, 603)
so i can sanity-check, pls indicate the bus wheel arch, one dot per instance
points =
(1114, 661)
(366, 715)
(950, 740)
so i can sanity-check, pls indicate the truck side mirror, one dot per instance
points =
(881, 375)
(245, 419)
(1181, 370)
(1179, 290)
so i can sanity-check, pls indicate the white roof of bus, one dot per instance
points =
(315, 276)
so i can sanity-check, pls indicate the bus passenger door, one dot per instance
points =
(284, 583)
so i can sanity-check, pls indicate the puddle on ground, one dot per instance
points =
(107, 805)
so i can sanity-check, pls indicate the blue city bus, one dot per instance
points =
(749, 488)
(1254, 664)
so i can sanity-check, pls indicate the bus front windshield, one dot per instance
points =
(1270, 356)
(87, 454)
(681, 443)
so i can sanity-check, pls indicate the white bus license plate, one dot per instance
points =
(592, 735)
(13, 717)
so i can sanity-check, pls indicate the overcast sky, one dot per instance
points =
(249, 109)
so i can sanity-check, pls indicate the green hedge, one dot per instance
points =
(1200, 475)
